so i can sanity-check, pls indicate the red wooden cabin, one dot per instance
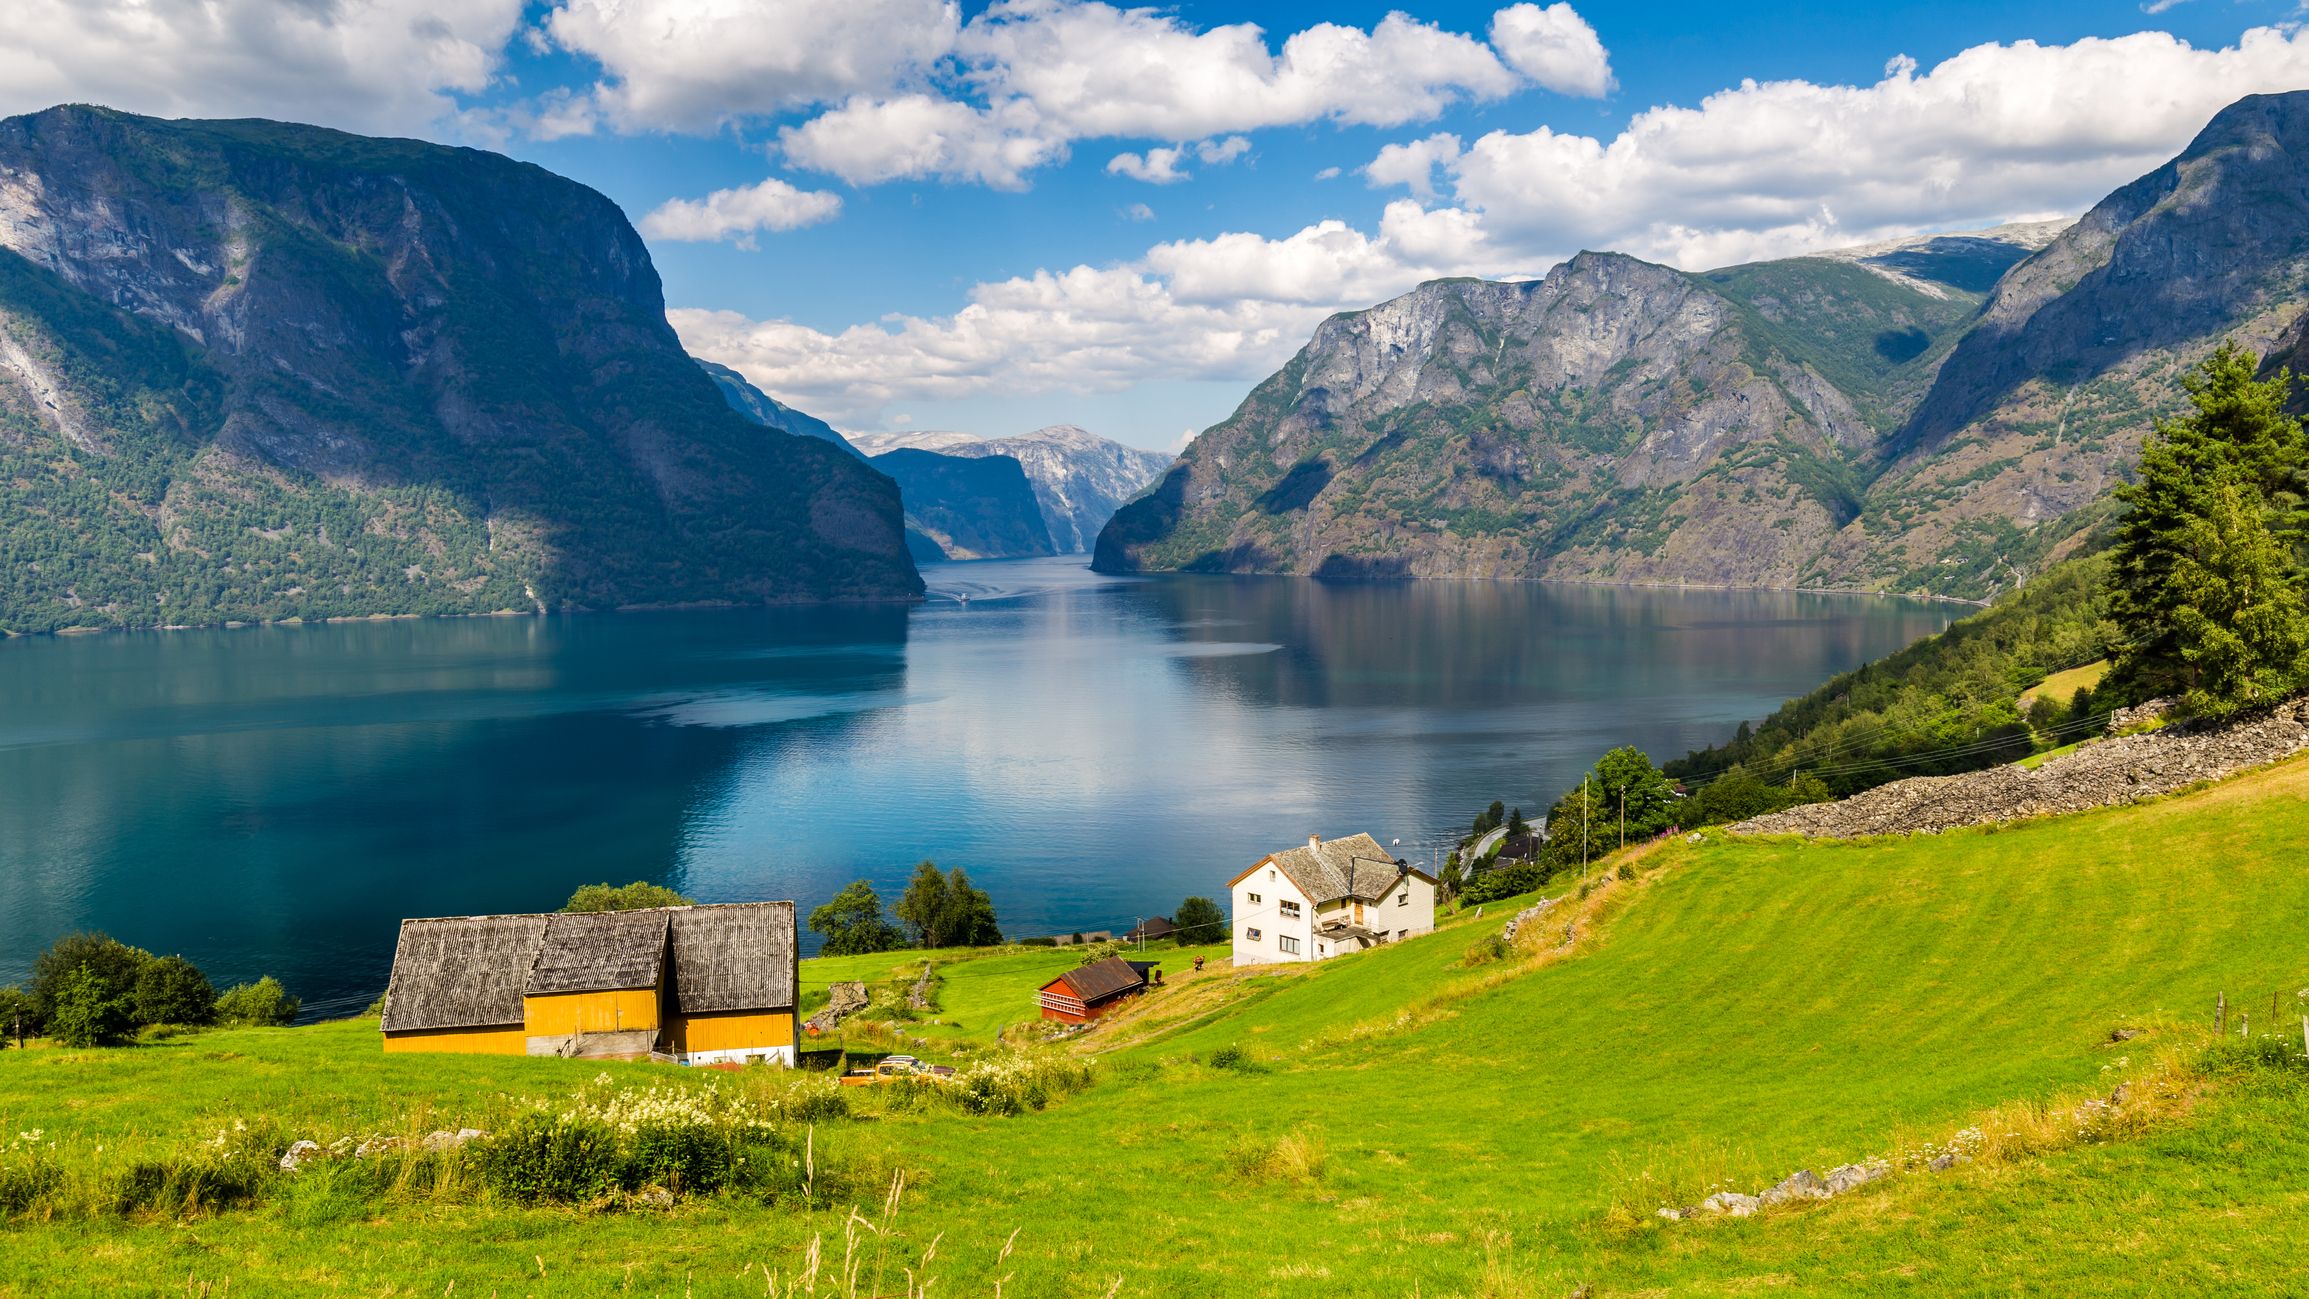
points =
(1080, 996)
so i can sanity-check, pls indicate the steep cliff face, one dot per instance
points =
(963, 507)
(767, 411)
(2042, 407)
(1080, 478)
(281, 371)
(1616, 420)
(1866, 418)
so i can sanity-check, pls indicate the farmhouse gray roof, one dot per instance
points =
(1101, 979)
(1354, 868)
(599, 951)
(734, 957)
(472, 971)
(461, 971)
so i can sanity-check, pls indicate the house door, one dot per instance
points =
(1358, 913)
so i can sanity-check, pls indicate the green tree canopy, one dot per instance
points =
(263, 1003)
(86, 1011)
(1199, 920)
(113, 964)
(172, 990)
(944, 910)
(637, 896)
(853, 924)
(922, 907)
(2205, 590)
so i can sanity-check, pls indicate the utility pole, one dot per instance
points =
(1623, 818)
(1583, 827)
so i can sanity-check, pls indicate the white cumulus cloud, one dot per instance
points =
(1554, 47)
(690, 65)
(1412, 164)
(1155, 166)
(364, 65)
(1996, 132)
(741, 213)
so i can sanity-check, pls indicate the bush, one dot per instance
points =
(637, 896)
(1483, 951)
(28, 1174)
(172, 990)
(1504, 882)
(237, 1167)
(542, 1156)
(1627, 870)
(263, 1004)
(87, 1013)
(1301, 1156)
(1234, 1058)
(1014, 1084)
(114, 964)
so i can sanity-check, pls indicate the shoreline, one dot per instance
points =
(692, 606)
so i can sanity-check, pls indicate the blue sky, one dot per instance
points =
(898, 213)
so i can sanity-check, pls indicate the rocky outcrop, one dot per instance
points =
(1616, 420)
(843, 1000)
(1080, 479)
(2043, 404)
(255, 370)
(1943, 415)
(2126, 769)
(769, 412)
(963, 508)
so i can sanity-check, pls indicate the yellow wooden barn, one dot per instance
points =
(703, 984)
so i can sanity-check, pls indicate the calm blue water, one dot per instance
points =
(1090, 749)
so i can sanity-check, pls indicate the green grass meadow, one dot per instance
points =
(1404, 1122)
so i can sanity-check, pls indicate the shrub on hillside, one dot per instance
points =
(263, 1004)
(637, 896)
(172, 990)
(29, 1173)
(1504, 882)
(1014, 1084)
(86, 1012)
(1233, 1058)
(541, 1156)
(114, 964)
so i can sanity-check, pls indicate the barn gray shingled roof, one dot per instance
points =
(472, 971)
(738, 956)
(461, 972)
(1355, 867)
(599, 951)
(1101, 979)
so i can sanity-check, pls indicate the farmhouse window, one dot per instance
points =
(1288, 944)
(1254, 899)
(1290, 908)
(1251, 934)
(1403, 899)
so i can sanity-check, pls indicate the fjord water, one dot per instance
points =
(1090, 749)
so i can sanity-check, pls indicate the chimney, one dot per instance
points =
(1314, 841)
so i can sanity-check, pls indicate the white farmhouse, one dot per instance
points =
(1327, 899)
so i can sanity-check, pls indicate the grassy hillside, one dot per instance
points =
(1949, 703)
(1404, 1121)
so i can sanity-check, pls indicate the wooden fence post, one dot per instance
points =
(2220, 1014)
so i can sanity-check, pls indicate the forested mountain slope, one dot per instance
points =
(1913, 417)
(251, 370)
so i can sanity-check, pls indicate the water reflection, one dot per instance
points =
(1090, 749)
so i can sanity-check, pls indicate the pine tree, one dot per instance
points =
(2239, 632)
(2211, 508)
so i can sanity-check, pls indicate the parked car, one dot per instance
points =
(892, 1068)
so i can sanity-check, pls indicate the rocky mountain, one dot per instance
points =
(1616, 420)
(2042, 407)
(256, 371)
(1080, 478)
(965, 507)
(769, 412)
(1941, 414)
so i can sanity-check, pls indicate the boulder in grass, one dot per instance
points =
(443, 1139)
(298, 1154)
(1847, 1177)
(1804, 1184)
(1731, 1204)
